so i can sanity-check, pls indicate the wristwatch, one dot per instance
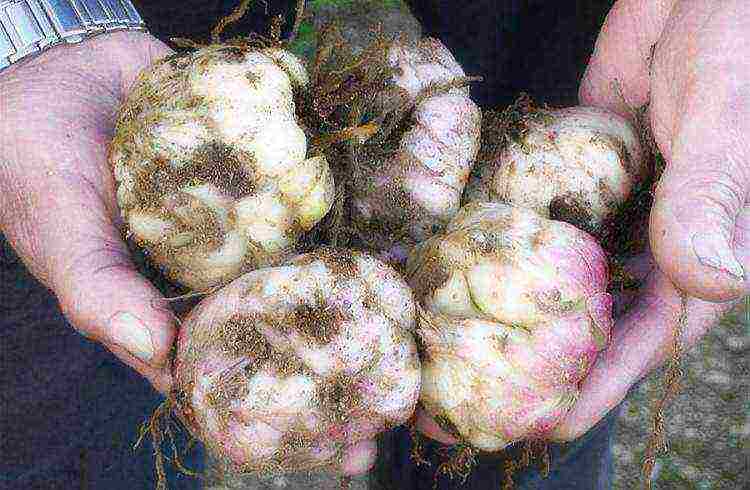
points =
(28, 27)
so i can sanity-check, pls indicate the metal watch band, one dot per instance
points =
(28, 27)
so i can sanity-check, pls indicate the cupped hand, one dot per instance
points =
(690, 61)
(57, 201)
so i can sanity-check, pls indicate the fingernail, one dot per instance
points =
(714, 251)
(132, 335)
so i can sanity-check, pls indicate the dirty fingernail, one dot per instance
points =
(713, 250)
(132, 335)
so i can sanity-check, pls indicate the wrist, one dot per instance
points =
(108, 61)
(30, 27)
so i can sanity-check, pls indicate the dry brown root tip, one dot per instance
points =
(359, 134)
(156, 426)
(233, 17)
(331, 111)
(333, 89)
(657, 443)
(298, 16)
(153, 427)
(175, 454)
(346, 482)
(533, 451)
(539, 453)
(371, 52)
(509, 470)
(342, 83)
(461, 461)
(276, 24)
(335, 92)
(546, 463)
(253, 39)
(361, 77)
(182, 42)
(417, 444)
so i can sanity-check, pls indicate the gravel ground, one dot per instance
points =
(708, 424)
(708, 427)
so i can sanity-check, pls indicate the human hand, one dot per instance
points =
(700, 223)
(696, 84)
(57, 200)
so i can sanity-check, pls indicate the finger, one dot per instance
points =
(127, 54)
(111, 302)
(699, 223)
(643, 340)
(57, 203)
(622, 55)
(100, 292)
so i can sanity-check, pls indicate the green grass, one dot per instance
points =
(392, 3)
(305, 39)
(314, 4)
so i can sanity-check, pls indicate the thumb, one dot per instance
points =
(699, 221)
(103, 296)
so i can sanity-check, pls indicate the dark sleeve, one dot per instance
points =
(537, 46)
(479, 35)
(69, 410)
